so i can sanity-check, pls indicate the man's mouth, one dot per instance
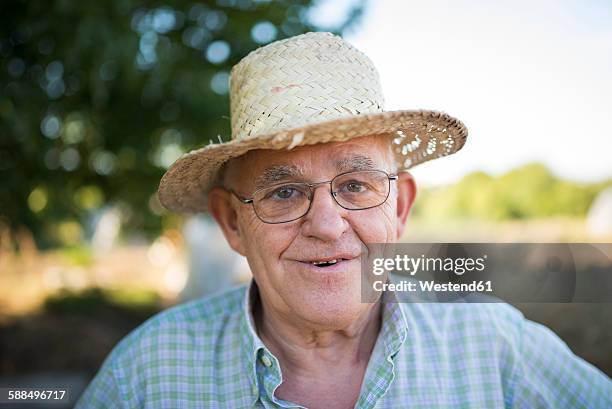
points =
(332, 262)
(327, 263)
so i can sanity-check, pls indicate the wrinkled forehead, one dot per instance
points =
(312, 162)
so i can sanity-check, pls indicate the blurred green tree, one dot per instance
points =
(98, 98)
(527, 192)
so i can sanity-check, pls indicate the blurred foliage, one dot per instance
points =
(97, 99)
(52, 340)
(76, 255)
(530, 191)
(91, 300)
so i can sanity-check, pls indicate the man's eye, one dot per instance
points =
(284, 192)
(355, 187)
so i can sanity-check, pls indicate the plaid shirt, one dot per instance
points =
(206, 354)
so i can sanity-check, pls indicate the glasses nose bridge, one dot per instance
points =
(314, 186)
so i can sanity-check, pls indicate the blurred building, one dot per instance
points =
(213, 265)
(599, 219)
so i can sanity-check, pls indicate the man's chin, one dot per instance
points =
(336, 311)
(326, 299)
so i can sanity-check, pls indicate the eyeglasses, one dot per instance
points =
(286, 202)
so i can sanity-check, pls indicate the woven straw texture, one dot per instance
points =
(308, 89)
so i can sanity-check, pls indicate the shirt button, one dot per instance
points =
(266, 361)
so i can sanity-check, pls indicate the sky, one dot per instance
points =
(532, 80)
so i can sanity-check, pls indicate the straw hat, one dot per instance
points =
(308, 89)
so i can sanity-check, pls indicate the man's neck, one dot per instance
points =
(302, 349)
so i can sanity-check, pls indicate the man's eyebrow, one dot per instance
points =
(276, 173)
(355, 162)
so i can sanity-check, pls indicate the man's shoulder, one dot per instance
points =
(472, 312)
(177, 347)
(193, 322)
(477, 321)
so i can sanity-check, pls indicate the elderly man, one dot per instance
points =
(314, 173)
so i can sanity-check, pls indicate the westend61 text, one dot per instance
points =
(432, 286)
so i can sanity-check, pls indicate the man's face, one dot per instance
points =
(281, 256)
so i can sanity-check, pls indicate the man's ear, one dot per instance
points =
(220, 207)
(406, 193)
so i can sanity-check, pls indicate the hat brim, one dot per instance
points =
(417, 136)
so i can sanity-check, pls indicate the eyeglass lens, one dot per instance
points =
(290, 201)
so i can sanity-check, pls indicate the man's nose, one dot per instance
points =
(325, 219)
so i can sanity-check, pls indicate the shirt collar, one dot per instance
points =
(394, 329)
(393, 333)
(251, 343)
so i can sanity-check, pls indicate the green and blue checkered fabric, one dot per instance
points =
(206, 354)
